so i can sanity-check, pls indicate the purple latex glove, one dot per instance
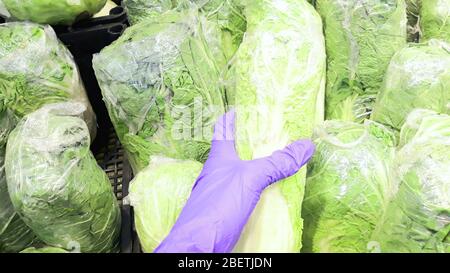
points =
(227, 191)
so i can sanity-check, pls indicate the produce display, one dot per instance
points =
(158, 194)
(14, 234)
(55, 183)
(161, 82)
(368, 81)
(361, 38)
(279, 99)
(418, 219)
(349, 185)
(417, 77)
(54, 12)
(37, 69)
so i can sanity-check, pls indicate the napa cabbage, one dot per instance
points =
(55, 184)
(161, 82)
(158, 194)
(417, 77)
(418, 218)
(278, 83)
(53, 12)
(348, 186)
(435, 19)
(361, 38)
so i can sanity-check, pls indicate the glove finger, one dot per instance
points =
(223, 143)
(285, 163)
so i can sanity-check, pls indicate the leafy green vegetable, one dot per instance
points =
(348, 186)
(14, 234)
(158, 194)
(53, 12)
(418, 77)
(279, 75)
(36, 69)
(361, 38)
(44, 250)
(55, 183)
(161, 81)
(225, 13)
(418, 219)
(435, 19)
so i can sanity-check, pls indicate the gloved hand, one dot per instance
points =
(227, 191)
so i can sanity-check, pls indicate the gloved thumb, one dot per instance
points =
(284, 163)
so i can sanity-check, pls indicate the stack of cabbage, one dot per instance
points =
(14, 234)
(348, 187)
(161, 84)
(361, 37)
(418, 77)
(53, 12)
(55, 183)
(418, 219)
(37, 69)
(158, 194)
(279, 76)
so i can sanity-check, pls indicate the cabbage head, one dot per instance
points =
(417, 77)
(54, 12)
(158, 194)
(226, 13)
(361, 38)
(55, 183)
(348, 186)
(37, 69)
(47, 249)
(418, 218)
(435, 19)
(14, 234)
(279, 82)
(161, 82)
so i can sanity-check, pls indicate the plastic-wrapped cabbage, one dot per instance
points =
(47, 249)
(361, 38)
(54, 12)
(55, 183)
(348, 186)
(14, 234)
(161, 82)
(418, 77)
(279, 74)
(158, 194)
(418, 219)
(37, 69)
(226, 13)
(435, 19)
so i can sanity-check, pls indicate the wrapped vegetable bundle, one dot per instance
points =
(158, 194)
(37, 69)
(55, 183)
(348, 186)
(161, 82)
(226, 13)
(418, 77)
(418, 218)
(435, 19)
(279, 74)
(14, 234)
(54, 12)
(361, 38)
